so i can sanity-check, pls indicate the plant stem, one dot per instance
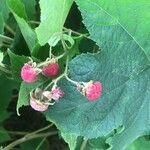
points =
(40, 144)
(72, 81)
(28, 137)
(50, 52)
(64, 45)
(54, 81)
(6, 38)
(10, 29)
(43, 129)
(3, 69)
(77, 33)
(5, 45)
(83, 146)
(34, 22)
(61, 56)
(18, 132)
(32, 135)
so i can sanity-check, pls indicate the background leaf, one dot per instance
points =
(4, 134)
(18, 10)
(6, 86)
(30, 8)
(140, 144)
(4, 9)
(52, 20)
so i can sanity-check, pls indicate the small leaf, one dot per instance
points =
(24, 92)
(17, 7)
(16, 64)
(71, 139)
(52, 18)
(30, 8)
(18, 10)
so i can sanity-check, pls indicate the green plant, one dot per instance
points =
(96, 86)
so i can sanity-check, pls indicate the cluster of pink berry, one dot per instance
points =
(41, 99)
(30, 70)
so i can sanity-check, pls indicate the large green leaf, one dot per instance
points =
(18, 10)
(53, 16)
(133, 17)
(123, 68)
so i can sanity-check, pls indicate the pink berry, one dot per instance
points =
(38, 106)
(93, 90)
(57, 93)
(51, 70)
(28, 73)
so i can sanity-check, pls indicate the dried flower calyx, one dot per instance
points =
(38, 102)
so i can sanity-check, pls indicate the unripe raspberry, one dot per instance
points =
(29, 73)
(51, 70)
(93, 90)
(56, 93)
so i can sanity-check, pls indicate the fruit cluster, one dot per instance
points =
(41, 99)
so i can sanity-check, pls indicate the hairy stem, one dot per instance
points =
(32, 135)
(83, 146)
(86, 35)
(10, 29)
(40, 144)
(3, 69)
(27, 138)
(6, 38)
